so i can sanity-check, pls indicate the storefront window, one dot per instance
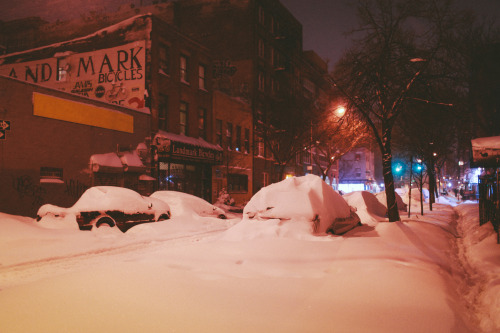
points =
(238, 183)
(189, 178)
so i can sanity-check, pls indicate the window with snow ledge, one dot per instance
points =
(51, 175)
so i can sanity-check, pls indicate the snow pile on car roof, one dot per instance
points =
(110, 198)
(368, 208)
(183, 204)
(296, 207)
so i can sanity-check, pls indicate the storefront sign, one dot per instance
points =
(182, 150)
(115, 75)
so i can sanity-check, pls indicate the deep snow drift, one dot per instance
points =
(433, 273)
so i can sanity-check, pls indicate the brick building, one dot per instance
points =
(145, 64)
(58, 144)
(209, 66)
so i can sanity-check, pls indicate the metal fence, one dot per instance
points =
(489, 201)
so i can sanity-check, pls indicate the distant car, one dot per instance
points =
(185, 203)
(110, 206)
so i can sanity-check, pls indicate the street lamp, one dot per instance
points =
(460, 166)
(340, 111)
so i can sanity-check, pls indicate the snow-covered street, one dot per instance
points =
(432, 273)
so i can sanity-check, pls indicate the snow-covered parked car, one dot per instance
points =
(368, 207)
(402, 206)
(307, 198)
(184, 203)
(110, 206)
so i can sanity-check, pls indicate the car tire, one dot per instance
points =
(104, 221)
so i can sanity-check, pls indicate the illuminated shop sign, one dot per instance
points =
(115, 75)
(176, 149)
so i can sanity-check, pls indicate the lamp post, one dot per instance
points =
(419, 169)
(460, 166)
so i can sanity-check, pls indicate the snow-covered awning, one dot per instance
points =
(109, 162)
(486, 152)
(127, 161)
(131, 162)
(147, 178)
(185, 147)
(186, 139)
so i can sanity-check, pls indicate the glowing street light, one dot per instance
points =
(340, 111)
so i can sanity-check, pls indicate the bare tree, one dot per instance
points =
(286, 131)
(337, 133)
(398, 41)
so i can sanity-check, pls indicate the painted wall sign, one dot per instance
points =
(115, 75)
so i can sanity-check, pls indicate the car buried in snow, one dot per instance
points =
(184, 203)
(109, 206)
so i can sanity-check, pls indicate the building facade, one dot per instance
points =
(258, 47)
(58, 144)
(209, 73)
(233, 132)
(147, 65)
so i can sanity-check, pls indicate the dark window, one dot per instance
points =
(237, 183)
(183, 118)
(184, 68)
(247, 141)
(49, 175)
(202, 121)
(218, 131)
(238, 138)
(201, 77)
(164, 58)
(229, 135)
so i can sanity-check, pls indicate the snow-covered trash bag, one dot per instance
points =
(381, 196)
(368, 207)
(307, 199)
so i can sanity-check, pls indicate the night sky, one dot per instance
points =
(324, 22)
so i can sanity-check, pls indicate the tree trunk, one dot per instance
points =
(432, 184)
(392, 207)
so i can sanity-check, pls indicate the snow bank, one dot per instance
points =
(369, 209)
(382, 198)
(295, 207)
(479, 244)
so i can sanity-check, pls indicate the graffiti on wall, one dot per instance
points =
(27, 188)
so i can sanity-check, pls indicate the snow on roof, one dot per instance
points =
(131, 159)
(186, 139)
(105, 160)
(146, 177)
(487, 142)
(108, 30)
